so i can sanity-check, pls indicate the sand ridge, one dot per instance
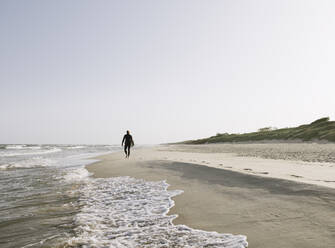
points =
(218, 156)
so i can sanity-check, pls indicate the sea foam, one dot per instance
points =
(75, 147)
(76, 174)
(29, 152)
(33, 162)
(128, 212)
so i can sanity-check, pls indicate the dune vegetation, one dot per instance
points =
(320, 130)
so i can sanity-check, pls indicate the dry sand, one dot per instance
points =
(271, 212)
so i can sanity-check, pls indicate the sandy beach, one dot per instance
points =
(226, 109)
(274, 202)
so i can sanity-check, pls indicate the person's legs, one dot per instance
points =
(125, 150)
(128, 151)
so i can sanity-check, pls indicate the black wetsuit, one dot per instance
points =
(128, 142)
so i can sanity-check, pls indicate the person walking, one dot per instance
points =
(128, 142)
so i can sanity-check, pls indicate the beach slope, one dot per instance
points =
(271, 212)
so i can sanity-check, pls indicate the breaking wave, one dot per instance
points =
(34, 162)
(29, 152)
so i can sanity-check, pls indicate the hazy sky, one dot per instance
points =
(86, 71)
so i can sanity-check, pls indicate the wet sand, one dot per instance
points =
(270, 212)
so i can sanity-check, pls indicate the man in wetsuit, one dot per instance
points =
(128, 142)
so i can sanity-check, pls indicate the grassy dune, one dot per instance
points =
(321, 129)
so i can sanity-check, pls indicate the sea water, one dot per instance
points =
(48, 199)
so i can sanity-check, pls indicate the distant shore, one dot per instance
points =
(271, 212)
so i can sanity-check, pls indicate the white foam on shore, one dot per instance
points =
(129, 212)
(76, 174)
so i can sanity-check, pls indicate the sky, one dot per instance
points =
(84, 72)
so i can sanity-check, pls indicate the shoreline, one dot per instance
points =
(270, 212)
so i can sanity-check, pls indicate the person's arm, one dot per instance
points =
(132, 141)
(124, 137)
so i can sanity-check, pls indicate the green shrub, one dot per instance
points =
(319, 129)
(324, 119)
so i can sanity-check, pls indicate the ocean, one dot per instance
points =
(49, 199)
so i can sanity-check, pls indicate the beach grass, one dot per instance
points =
(321, 129)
